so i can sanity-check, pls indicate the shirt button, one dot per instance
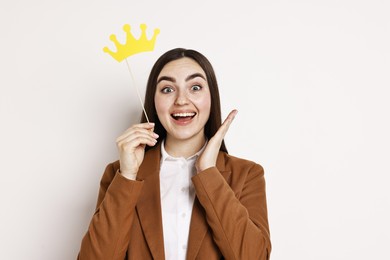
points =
(184, 247)
(183, 189)
(183, 215)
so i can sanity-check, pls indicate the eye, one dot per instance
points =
(196, 87)
(167, 90)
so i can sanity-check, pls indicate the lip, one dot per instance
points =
(182, 122)
(182, 111)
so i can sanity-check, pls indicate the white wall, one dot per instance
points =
(310, 80)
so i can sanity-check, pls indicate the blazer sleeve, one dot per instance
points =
(108, 233)
(239, 222)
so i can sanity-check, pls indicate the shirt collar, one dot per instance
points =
(165, 155)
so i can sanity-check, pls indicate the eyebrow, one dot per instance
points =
(195, 75)
(192, 76)
(166, 78)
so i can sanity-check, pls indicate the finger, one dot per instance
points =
(134, 134)
(231, 116)
(136, 142)
(226, 124)
(136, 129)
(137, 135)
(146, 126)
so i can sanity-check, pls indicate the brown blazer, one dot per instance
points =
(229, 218)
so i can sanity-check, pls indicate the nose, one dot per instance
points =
(181, 98)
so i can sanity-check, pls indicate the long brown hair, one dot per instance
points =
(214, 121)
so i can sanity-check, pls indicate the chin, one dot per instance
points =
(186, 134)
(183, 136)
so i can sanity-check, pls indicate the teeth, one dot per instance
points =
(183, 114)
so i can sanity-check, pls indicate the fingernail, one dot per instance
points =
(155, 135)
(235, 113)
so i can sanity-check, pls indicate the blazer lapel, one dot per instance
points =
(149, 202)
(199, 226)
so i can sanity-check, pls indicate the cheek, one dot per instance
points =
(204, 104)
(159, 104)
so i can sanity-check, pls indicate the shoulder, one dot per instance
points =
(240, 165)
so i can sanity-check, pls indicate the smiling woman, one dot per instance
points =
(175, 193)
(202, 70)
(182, 100)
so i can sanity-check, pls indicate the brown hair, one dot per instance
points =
(214, 121)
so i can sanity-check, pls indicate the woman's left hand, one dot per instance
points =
(208, 158)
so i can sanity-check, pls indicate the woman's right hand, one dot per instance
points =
(131, 147)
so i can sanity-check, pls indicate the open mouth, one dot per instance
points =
(183, 116)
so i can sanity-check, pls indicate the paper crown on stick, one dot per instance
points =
(132, 45)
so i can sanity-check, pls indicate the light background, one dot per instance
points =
(310, 80)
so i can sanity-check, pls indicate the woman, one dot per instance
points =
(175, 193)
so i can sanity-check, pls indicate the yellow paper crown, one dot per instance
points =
(132, 45)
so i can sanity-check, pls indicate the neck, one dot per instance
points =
(184, 148)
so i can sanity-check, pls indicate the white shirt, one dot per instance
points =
(177, 199)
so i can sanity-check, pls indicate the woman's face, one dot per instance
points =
(182, 99)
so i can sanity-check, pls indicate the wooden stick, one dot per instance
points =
(136, 88)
